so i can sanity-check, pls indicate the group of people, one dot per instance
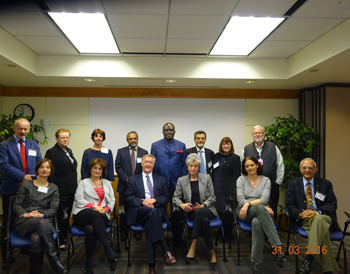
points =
(199, 185)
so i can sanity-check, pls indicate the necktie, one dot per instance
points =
(308, 194)
(23, 156)
(133, 164)
(202, 168)
(150, 187)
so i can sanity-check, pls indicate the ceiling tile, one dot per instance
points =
(277, 49)
(263, 8)
(137, 6)
(75, 6)
(324, 9)
(138, 26)
(307, 29)
(196, 27)
(189, 46)
(141, 45)
(12, 5)
(202, 7)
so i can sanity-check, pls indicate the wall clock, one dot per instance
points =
(26, 110)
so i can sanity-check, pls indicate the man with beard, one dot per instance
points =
(271, 158)
(171, 164)
(206, 154)
(128, 163)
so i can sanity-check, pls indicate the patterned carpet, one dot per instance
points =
(199, 265)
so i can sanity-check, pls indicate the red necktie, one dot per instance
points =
(133, 164)
(23, 156)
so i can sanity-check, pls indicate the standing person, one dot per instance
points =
(100, 152)
(94, 201)
(128, 163)
(171, 164)
(206, 154)
(226, 170)
(65, 177)
(312, 205)
(271, 158)
(35, 206)
(147, 197)
(18, 157)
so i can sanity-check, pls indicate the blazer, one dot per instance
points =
(123, 166)
(170, 160)
(135, 191)
(86, 194)
(65, 172)
(296, 199)
(209, 155)
(206, 192)
(11, 164)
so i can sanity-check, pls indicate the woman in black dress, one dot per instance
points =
(35, 206)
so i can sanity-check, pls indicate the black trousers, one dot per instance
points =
(201, 221)
(274, 197)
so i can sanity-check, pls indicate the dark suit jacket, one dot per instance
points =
(296, 199)
(65, 175)
(209, 155)
(11, 164)
(135, 192)
(123, 166)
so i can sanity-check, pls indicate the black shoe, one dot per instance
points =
(188, 259)
(305, 267)
(114, 263)
(281, 258)
(138, 237)
(256, 267)
(63, 248)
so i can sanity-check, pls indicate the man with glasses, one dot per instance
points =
(171, 164)
(312, 205)
(271, 158)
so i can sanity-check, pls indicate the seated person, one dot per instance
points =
(253, 193)
(194, 193)
(316, 214)
(94, 200)
(147, 196)
(34, 208)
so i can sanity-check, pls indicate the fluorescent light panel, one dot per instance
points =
(89, 32)
(243, 34)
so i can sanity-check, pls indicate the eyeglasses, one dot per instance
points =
(308, 167)
(258, 133)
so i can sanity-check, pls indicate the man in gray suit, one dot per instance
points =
(128, 163)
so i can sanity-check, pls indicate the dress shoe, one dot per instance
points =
(188, 259)
(256, 267)
(152, 270)
(138, 237)
(281, 258)
(114, 263)
(305, 267)
(169, 258)
(63, 248)
(213, 264)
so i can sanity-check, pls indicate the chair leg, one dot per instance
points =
(129, 247)
(288, 238)
(223, 244)
(296, 255)
(238, 246)
(118, 235)
(345, 260)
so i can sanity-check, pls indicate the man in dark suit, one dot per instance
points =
(18, 157)
(147, 196)
(206, 154)
(312, 205)
(128, 163)
(171, 164)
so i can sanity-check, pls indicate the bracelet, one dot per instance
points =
(44, 216)
(250, 204)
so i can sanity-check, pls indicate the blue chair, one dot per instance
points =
(15, 241)
(214, 224)
(138, 230)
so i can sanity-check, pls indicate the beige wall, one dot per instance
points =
(337, 152)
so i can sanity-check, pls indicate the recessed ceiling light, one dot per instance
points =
(313, 70)
(249, 81)
(89, 80)
(243, 34)
(170, 81)
(12, 66)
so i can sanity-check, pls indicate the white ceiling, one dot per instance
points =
(172, 39)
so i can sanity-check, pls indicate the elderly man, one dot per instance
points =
(271, 158)
(147, 197)
(128, 163)
(206, 154)
(171, 164)
(312, 205)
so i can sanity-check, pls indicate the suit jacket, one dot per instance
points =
(170, 160)
(183, 192)
(123, 166)
(65, 172)
(11, 164)
(86, 194)
(296, 199)
(135, 191)
(209, 155)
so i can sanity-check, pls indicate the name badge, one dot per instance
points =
(261, 162)
(138, 160)
(216, 165)
(104, 150)
(42, 189)
(31, 152)
(320, 196)
(210, 164)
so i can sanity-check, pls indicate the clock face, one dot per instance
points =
(26, 110)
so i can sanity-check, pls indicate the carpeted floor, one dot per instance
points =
(199, 265)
